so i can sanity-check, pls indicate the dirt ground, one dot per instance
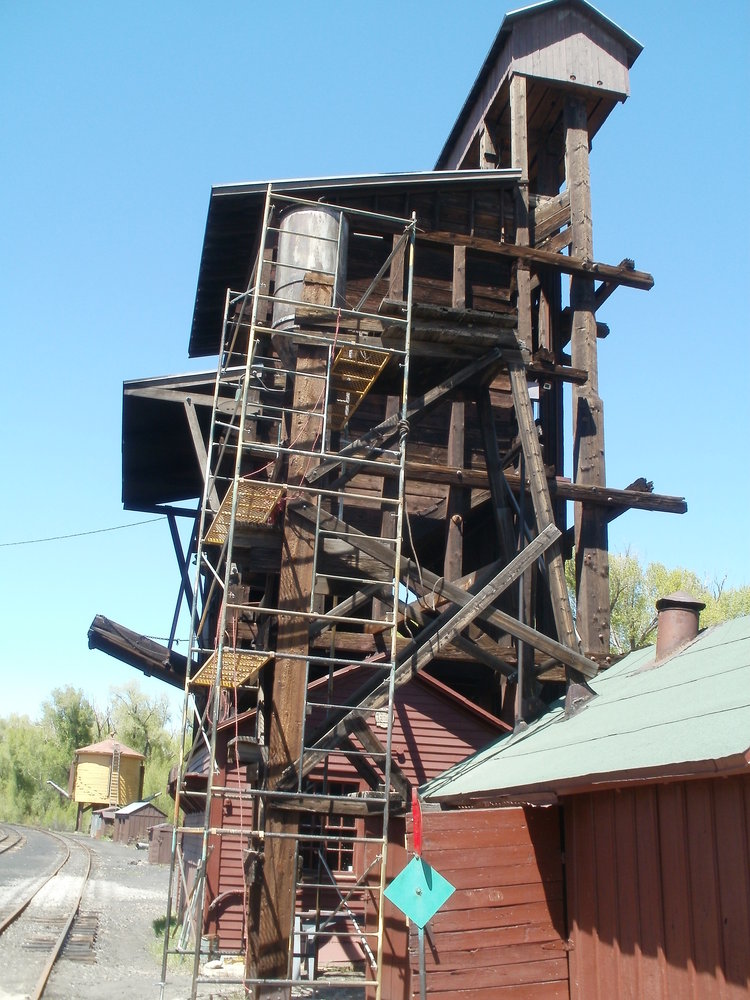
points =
(127, 896)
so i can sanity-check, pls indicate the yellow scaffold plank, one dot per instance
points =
(239, 668)
(256, 503)
(353, 374)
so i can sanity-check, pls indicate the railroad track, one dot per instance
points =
(9, 838)
(45, 925)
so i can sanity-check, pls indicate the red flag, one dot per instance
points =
(416, 815)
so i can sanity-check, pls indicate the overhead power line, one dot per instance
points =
(80, 534)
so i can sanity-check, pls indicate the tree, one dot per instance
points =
(34, 753)
(28, 759)
(68, 717)
(142, 723)
(634, 590)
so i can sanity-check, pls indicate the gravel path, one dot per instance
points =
(126, 895)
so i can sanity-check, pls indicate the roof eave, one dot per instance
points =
(545, 793)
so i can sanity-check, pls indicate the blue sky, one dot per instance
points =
(115, 122)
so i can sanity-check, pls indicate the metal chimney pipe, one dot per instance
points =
(678, 619)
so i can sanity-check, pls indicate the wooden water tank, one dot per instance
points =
(108, 773)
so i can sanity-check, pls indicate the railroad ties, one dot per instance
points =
(53, 925)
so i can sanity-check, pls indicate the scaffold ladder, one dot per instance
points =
(256, 479)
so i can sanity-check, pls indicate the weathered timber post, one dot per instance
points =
(592, 561)
(268, 955)
(457, 500)
(519, 154)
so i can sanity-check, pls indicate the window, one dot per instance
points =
(338, 853)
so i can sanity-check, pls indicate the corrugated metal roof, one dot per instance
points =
(134, 807)
(688, 715)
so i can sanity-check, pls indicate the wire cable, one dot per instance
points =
(81, 534)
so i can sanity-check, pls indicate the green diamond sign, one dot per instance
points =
(419, 891)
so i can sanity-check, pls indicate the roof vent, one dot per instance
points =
(677, 622)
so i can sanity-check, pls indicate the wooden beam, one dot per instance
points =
(396, 273)
(541, 258)
(500, 507)
(549, 215)
(424, 312)
(560, 241)
(591, 543)
(379, 436)
(359, 727)
(389, 491)
(457, 499)
(542, 505)
(360, 764)
(426, 580)
(544, 371)
(458, 299)
(138, 651)
(319, 804)
(487, 148)
(200, 450)
(344, 608)
(464, 648)
(286, 724)
(560, 488)
(426, 646)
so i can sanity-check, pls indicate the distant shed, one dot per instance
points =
(133, 821)
(160, 844)
(103, 822)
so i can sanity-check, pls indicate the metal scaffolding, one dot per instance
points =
(296, 363)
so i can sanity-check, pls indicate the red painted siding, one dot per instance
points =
(432, 730)
(224, 915)
(502, 933)
(659, 891)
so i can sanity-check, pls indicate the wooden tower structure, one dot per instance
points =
(380, 465)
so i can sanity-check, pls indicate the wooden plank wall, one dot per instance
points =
(659, 891)
(502, 933)
(225, 876)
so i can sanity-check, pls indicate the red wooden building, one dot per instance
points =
(434, 727)
(606, 854)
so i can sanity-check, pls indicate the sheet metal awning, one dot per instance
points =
(159, 462)
(235, 217)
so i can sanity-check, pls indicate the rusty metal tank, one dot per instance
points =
(310, 239)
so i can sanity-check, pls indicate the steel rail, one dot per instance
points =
(6, 847)
(15, 914)
(59, 943)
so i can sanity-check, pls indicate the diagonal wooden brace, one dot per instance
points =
(420, 652)
(385, 431)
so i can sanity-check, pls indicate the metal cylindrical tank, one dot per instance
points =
(310, 239)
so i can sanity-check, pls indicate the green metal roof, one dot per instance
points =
(688, 715)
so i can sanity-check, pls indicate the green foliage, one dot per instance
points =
(34, 753)
(634, 590)
(69, 717)
(27, 760)
(141, 723)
